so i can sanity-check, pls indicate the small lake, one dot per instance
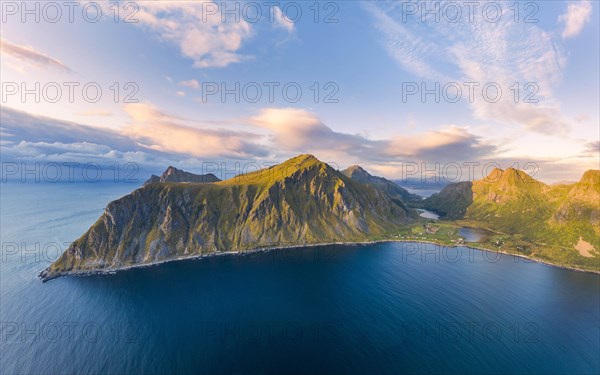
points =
(474, 234)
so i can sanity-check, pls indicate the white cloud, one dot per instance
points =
(158, 131)
(192, 83)
(281, 20)
(199, 34)
(574, 19)
(411, 50)
(450, 143)
(28, 137)
(29, 55)
(38, 149)
(298, 130)
(156, 139)
(480, 51)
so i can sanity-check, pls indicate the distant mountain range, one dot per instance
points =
(305, 201)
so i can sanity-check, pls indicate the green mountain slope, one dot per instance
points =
(578, 214)
(301, 201)
(510, 200)
(564, 220)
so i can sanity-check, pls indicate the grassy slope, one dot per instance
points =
(538, 220)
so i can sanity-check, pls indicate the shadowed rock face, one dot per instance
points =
(301, 201)
(357, 173)
(452, 202)
(172, 174)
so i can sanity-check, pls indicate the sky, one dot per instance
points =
(393, 86)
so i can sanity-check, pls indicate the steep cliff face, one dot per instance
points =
(301, 201)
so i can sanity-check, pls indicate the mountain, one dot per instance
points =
(301, 201)
(582, 201)
(357, 173)
(500, 195)
(172, 174)
(510, 201)
(577, 217)
(452, 201)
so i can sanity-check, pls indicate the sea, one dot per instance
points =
(386, 308)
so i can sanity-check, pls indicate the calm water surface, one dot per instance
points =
(387, 308)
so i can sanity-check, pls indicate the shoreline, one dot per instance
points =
(42, 275)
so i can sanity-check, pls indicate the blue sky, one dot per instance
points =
(366, 56)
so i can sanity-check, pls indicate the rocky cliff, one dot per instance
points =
(301, 201)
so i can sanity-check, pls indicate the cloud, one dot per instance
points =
(155, 139)
(591, 148)
(151, 135)
(484, 52)
(38, 140)
(297, 130)
(20, 126)
(180, 93)
(451, 143)
(28, 55)
(198, 32)
(99, 112)
(409, 49)
(281, 20)
(28, 137)
(574, 19)
(155, 130)
(192, 83)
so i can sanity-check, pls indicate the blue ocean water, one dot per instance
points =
(386, 308)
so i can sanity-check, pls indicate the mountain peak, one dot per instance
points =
(172, 174)
(301, 162)
(356, 171)
(170, 170)
(591, 176)
(355, 167)
(509, 176)
(495, 174)
(268, 176)
(304, 158)
(359, 174)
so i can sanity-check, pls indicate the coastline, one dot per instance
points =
(43, 275)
